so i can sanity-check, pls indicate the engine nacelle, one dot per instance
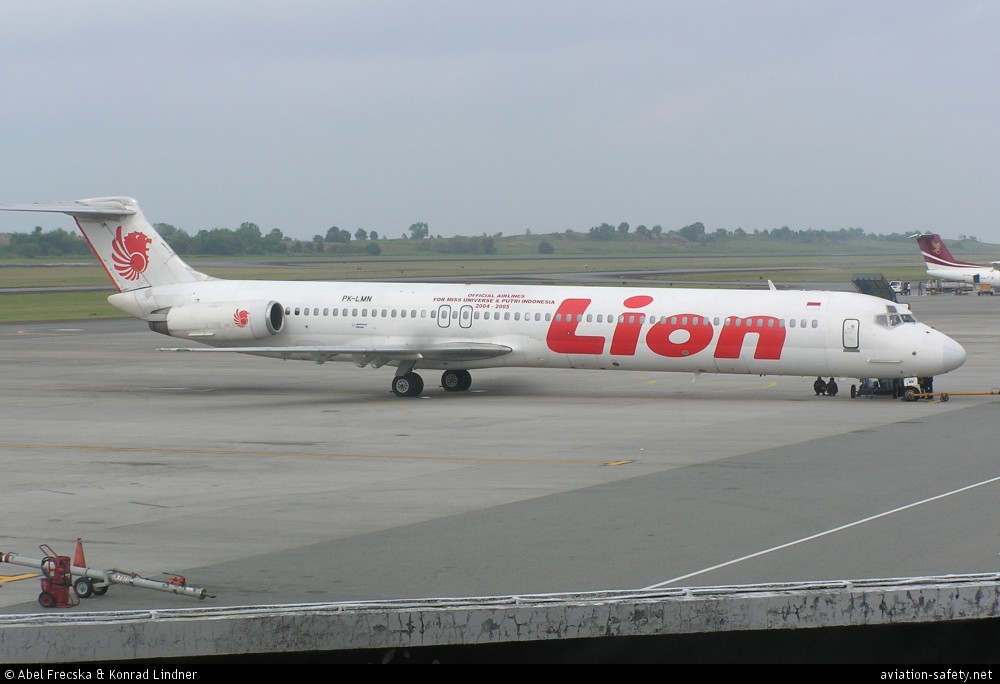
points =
(222, 321)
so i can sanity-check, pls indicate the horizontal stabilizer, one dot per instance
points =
(73, 208)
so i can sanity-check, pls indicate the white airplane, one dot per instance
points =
(458, 328)
(943, 266)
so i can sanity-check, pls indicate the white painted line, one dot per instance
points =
(820, 534)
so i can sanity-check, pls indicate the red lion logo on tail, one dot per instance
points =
(131, 254)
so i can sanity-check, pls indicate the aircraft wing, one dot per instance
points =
(377, 356)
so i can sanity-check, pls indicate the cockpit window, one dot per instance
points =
(893, 318)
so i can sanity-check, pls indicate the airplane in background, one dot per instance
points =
(459, 328)
(943, 266)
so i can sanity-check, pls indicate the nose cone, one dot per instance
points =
(953, 355)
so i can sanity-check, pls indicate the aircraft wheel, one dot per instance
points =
(409, 385)
(83, 587)
(456, 380)
(910, 394)
(46, 600)
(854, 391)
(100, 591)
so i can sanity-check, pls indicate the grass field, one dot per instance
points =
(711, 270)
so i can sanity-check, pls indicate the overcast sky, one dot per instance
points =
(480, 116)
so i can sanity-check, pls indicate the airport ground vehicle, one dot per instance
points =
(905, 388)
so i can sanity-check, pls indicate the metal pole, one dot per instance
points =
(112, 576)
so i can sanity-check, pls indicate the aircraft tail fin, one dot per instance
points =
(936, 253)
(132, 253)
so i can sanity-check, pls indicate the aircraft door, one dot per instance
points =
(444, 316)
(852, 336)
(465, 316)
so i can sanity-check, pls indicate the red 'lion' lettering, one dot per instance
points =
(770, 337)
(629, 326)
(562, 337)
(699, 336)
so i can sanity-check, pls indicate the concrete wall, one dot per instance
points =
(144, 635)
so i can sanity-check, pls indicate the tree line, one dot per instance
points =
(697, 233)
(250, 240)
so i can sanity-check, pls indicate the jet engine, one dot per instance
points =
(220, 321)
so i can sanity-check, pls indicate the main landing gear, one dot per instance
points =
(456, 380)
(409, 384)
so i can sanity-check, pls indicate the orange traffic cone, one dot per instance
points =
(78, 558)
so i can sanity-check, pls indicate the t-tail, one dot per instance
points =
(132, 253)
(936, 253)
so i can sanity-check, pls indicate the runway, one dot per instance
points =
(287, 482)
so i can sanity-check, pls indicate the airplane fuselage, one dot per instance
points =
(690, 330)
(973, 276)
